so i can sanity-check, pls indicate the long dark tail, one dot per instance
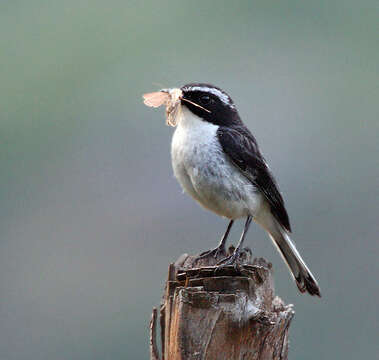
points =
(304, 279)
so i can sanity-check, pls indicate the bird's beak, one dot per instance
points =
(175, 94)
(169, 97)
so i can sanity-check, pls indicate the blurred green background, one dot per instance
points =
(90, 212)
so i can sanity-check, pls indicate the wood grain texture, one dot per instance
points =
(221, 313)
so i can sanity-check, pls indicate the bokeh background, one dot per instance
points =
(91, 214)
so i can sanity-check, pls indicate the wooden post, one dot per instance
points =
(224, 313)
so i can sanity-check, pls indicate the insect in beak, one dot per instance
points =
(172, 99)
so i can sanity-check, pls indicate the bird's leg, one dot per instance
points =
(220, 249)
(232, 259)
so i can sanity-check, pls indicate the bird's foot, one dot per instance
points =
(210, 257)
(215, 253)
(236, 258)
(230, 260)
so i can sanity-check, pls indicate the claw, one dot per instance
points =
(231, 259)
(216, 252)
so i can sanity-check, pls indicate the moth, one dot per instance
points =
(171, 98)
(168, 97)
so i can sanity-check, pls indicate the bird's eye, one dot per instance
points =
(205, 99)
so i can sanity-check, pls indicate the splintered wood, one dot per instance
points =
(225, 313)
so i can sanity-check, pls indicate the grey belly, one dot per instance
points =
(216, 184)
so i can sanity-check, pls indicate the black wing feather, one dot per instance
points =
(241, 147)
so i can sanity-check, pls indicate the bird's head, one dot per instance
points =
(207, 102)
(210, 103)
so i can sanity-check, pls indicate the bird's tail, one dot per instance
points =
(304, 279)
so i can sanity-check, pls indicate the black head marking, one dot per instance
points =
(221, 109)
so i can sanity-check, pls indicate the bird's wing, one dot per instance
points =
(241, 147)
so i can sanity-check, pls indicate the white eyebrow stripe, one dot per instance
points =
(222, 96)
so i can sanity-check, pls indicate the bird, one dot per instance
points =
(217, 161)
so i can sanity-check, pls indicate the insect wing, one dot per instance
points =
(156, 99)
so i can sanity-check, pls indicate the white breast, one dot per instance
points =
(204, 171)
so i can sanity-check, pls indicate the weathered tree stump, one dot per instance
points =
(221, 313)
